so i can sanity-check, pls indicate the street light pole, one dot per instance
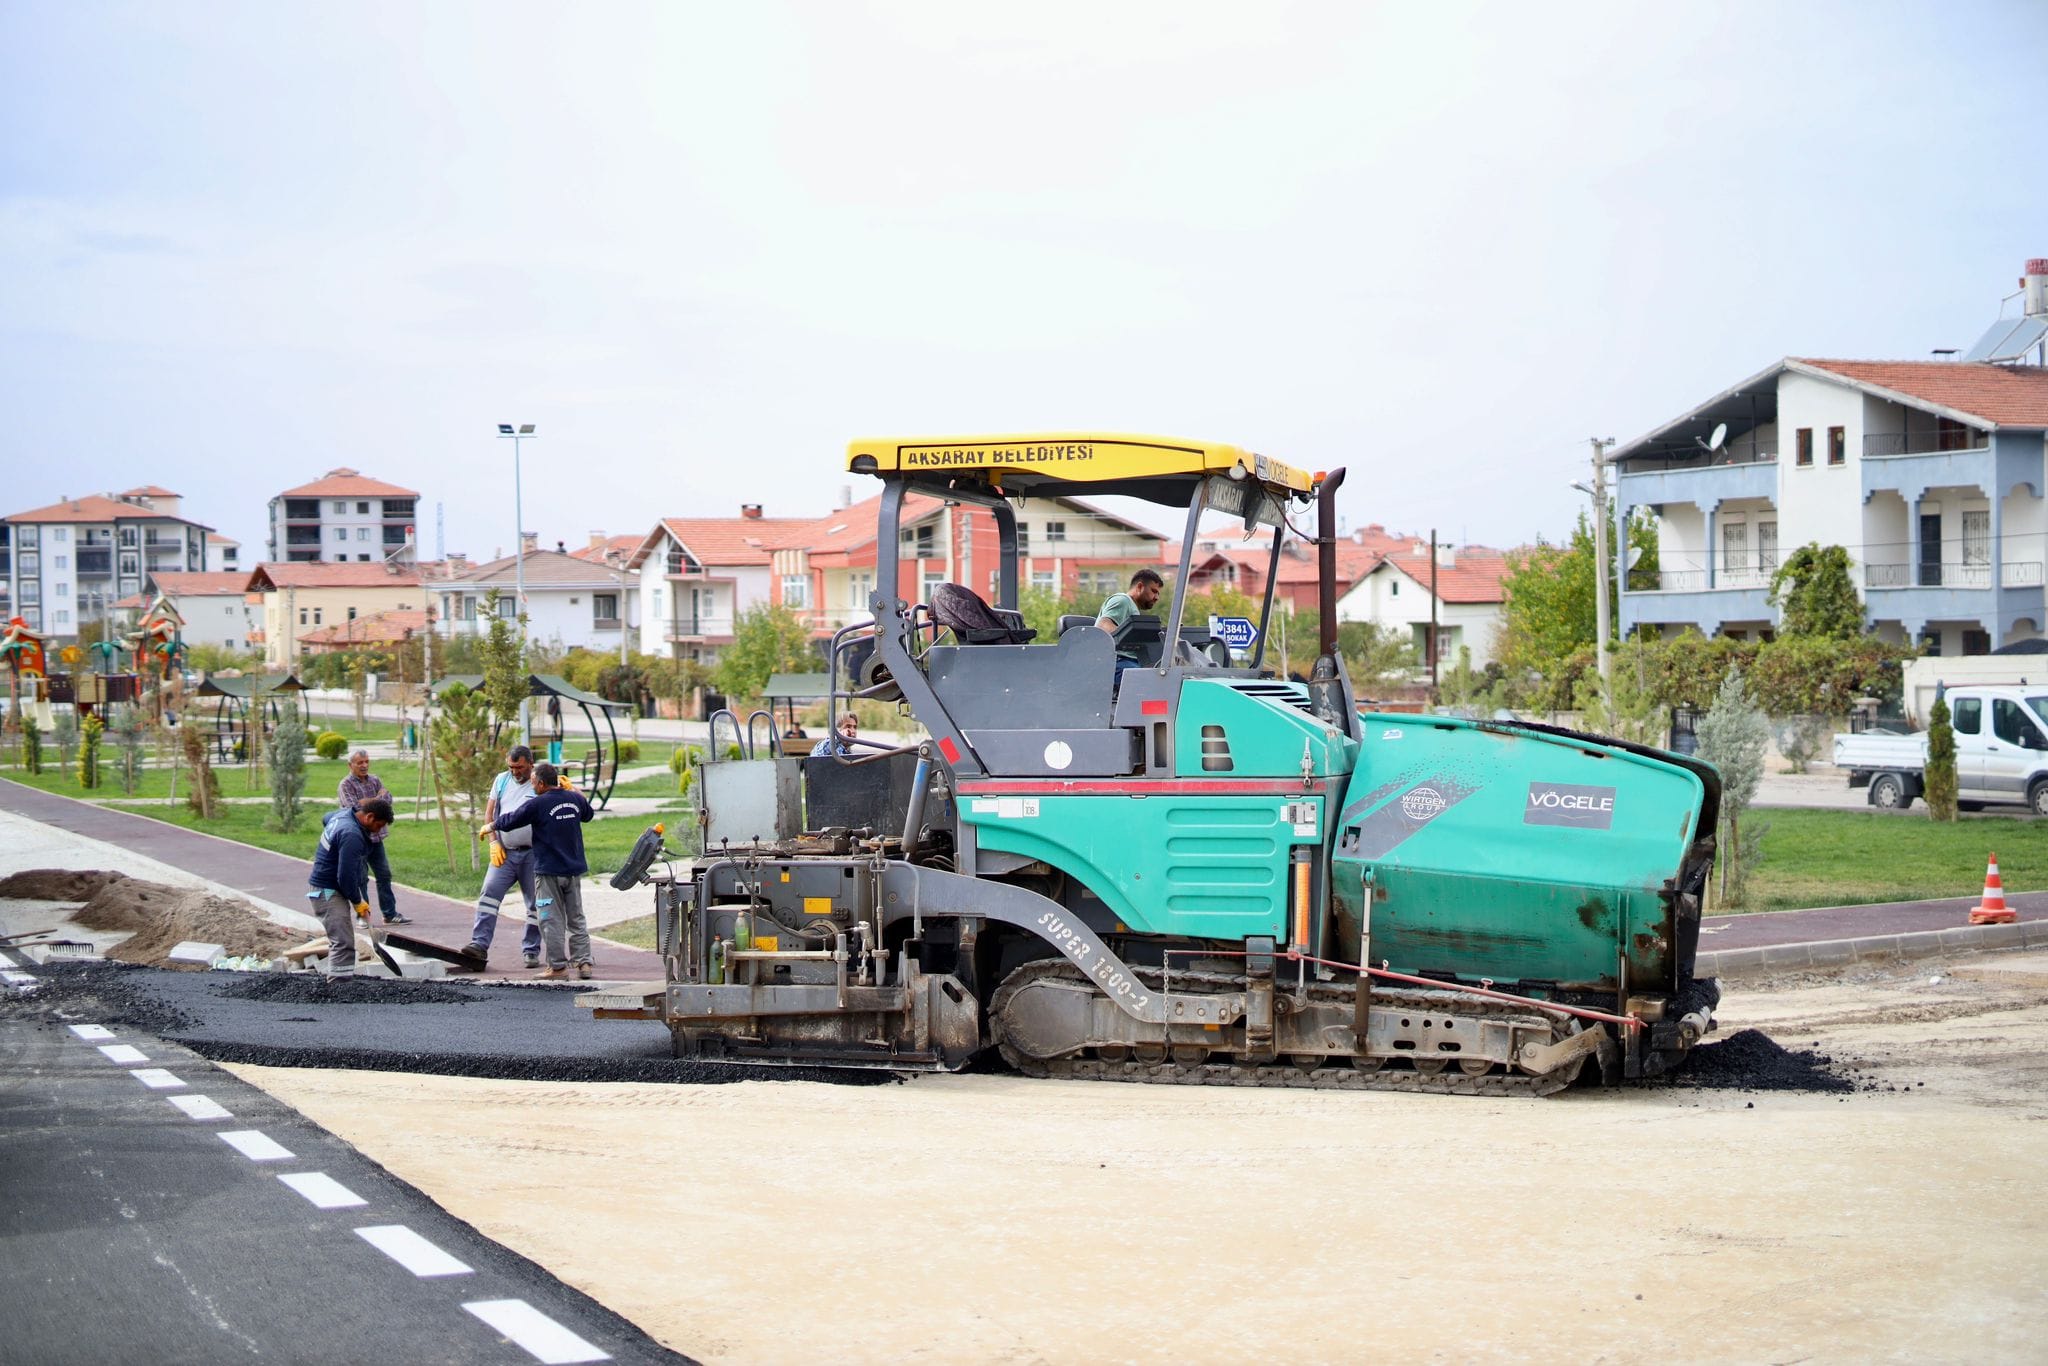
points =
(616, 561)
(1601, 629)
(522, 433)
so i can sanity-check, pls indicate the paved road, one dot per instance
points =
(282, 881)
(156, 1210)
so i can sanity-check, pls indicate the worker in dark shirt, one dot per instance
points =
(340, 879)
(557, 814)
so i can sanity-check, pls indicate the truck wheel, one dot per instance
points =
(2037, 797)
(1886, 790)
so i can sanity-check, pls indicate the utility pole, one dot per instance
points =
(1601, 642)
(1432, 614)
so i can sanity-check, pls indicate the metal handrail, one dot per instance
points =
(1884, 444)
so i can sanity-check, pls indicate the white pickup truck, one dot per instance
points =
(2001, 752)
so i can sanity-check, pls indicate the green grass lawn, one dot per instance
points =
(1844, 858)
(323, 778)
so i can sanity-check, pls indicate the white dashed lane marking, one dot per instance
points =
(123, 1053)
(548, 1341)
(19, 978)
(323, 1190)
(92, 1031)
(155, 1078)
(255, 1146)
(199, 1107)
(411, 1251)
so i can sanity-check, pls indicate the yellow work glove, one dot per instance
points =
(362, 910)
(487, 831)
(563, 780)
(497, 854)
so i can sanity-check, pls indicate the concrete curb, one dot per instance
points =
(1840, 953)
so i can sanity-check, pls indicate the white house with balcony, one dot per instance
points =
(699, 575)
(1929, 473)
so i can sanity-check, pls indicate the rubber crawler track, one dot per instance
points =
(1394, 1075)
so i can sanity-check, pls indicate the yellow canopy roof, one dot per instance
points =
(1029, 463)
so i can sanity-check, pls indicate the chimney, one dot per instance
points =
(597, 538)
(529, 541)
(750, 511)
(2034, 285)
(1447, 556)
(561, 548)
(1420, 549)
(846, 495)
(458, 559)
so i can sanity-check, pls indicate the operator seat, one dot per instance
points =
(972, 621)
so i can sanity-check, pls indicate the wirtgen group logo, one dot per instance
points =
(1422, 803)
(1583, 808)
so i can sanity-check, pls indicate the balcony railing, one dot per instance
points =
(1952, 574)
(693, 627)
(1695, 580)
(95, 561)
(604, 624)
(1922, 443)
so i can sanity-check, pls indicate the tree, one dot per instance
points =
(1940, 773)
(1815, 595)
(287, 770)
(465, 754)
(31, 742)
(89, 732)
(1636, 714)
(503, 651)
(130, 727)
(766, 640)
(1549, 608)
(1733, 736)
(204, 798)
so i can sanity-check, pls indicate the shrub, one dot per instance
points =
(629, 750)
(1940, 773)
(89, 732)
(31, 743)
(288, 768)
(330, 745)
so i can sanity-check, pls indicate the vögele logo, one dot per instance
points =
(1586, 808)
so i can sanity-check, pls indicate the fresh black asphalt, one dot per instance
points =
(130, 1232)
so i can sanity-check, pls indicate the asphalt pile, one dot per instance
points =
(113, 994)
(1750, 1060)
(155, 918)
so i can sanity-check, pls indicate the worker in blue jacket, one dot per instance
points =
(340, 879)
(557, 815)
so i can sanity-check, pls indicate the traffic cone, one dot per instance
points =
(1993, 910)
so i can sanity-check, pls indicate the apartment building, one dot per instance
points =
(67, 564)
(344, 517)
(217, 608)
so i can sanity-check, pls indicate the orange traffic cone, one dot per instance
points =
(1993, 911)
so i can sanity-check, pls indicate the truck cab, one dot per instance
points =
(2001, 735)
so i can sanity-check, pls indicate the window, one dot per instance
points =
(351, 614)
(1393, 585)
(62, 590)
(604, 607)
(362, 509)
(1838, 445)
(1042, 578)
(341, 533)
(796, 590)
(2009, 722)
(362, 533)
(364, 558)
(1767, 547)
(128, 566)
(30, 562)
(1968, 718)
(932, 579)
(128, 536)
(1023, 539)
(1804, 449)
(302, 616)
(1976, 642)
(923, 541)
(316, 616)
(1735, 547)
(858, 589)
(507, 607)
(1055, 531)
(60, 534)
(340, 508)
(61, 616)
(60, 562)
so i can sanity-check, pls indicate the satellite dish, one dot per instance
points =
(1716, 439)
(1635, 552)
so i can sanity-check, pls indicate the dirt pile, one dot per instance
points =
(56, 884)
(155, 917)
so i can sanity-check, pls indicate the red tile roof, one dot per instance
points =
(1474, 578)
(266, 577)
(723, 542)
(150, 491)
(348, 483)
(378, 628)
(620, 545)
(543, 569)
(234, 582)
(95, 507)
(854, 526)
(2005, 396)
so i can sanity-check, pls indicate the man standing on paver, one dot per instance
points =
(360, 785)
(511, 861)
(556, 817)
(340, 880)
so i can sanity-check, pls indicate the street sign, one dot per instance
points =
(1236, 632)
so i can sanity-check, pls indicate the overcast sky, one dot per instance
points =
(703, 245)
